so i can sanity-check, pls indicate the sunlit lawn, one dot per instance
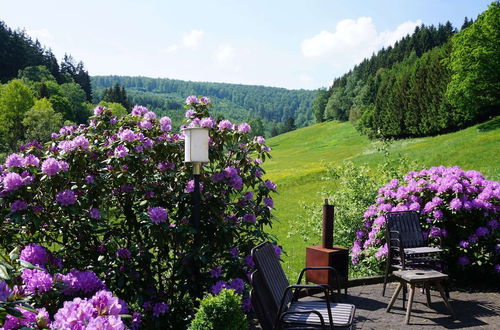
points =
(299, 157)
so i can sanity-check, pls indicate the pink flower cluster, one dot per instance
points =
(445, 197)
(102, 311)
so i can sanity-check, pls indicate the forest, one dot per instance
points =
(434, 81)
(38, 95)
(269, 110)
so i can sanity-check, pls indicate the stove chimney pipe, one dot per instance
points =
(328, 216)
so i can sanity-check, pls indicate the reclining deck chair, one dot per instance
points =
(406, 246)
(276, 302)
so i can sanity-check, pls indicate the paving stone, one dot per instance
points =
(473, 310)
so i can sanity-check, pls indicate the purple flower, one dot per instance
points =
(35, 254)
(207, 122)
(463, 244)
(75, 314)
(482, 231)
(463, 260)
(160, 309)
(66, 146)
(236, 182)
(473, 238)
(237, 285)
(493, 224)
(216, 272)
(249, 261)
(190, 187)
(14, 160)
(260, 140)
(121, 151)
(95, 213)
(234, 252)
(5, 291)
(438, 214)
(123, 253)
(98, 110)
(217, 287)
(382, 252)
(36, 281)
(139, 110)
(190, 113)
(244, 128)
(18, 205)
(250, 218)
(248, 196)
(165, 124)
(269, 202)
(149, 115)
(157, 214)
(126, 135)
(66, 197)
(136, 321)
(145, 124)
(81, 282)
(106, 304)
(51, 166)
(205, 100)
(224, 125)
(191, 100)
(456, 204)
(497, 268)
(277, 250)
(246, 304)
(31, 160)
(81, 142)
(12, 181)
(89, 179)
(28, 320)
(270, 185)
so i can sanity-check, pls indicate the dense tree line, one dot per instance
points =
(18, 51)
(433, 81)
(273, 106)
(34, 105)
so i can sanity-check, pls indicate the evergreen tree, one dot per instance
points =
(474, 62)
(319, 105)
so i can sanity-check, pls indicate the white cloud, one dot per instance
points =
(190, 40)
(224, 54)
(352, 41)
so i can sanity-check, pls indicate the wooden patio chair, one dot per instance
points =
(406, 246)
(276, 302)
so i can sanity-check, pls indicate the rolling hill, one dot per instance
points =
(299, 159)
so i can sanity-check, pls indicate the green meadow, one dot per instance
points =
(299, 159)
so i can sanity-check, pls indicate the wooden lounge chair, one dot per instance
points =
(407, 248)
(276, 302)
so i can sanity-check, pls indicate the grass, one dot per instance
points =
(299, 159)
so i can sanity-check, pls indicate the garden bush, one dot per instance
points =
(114, 198)
(221, 312)
(458, 207)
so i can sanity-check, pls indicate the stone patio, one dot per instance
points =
(474, 310)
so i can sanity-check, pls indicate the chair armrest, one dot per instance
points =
(329, 268)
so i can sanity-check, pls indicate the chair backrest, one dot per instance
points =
(271, 277)
(264, 308)
(407, 223)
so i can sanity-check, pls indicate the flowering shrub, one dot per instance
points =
(26, 285)
(459, 207)
(115, 197)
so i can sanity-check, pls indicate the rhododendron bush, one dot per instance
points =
(460, 208)
(114, 198)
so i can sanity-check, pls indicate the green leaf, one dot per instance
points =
(4, 274)
(14, 312)
(14, 254)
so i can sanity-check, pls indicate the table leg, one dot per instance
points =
(428, 294)
(443, 294)
(394, 296)
(410, 302)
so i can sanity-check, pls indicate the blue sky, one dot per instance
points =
(292, 44)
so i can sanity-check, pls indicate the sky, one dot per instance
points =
(283, 43)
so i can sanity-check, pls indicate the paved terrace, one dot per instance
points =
(474, 310)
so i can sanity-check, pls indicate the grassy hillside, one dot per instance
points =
(299, 158)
